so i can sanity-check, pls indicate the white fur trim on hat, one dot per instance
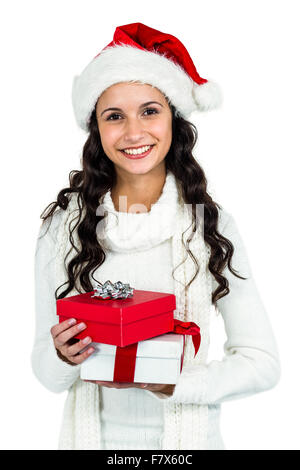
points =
(123, 63)
(208, 96)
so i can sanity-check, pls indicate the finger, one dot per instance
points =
(117, 385)
(140, 385)
(128, 385)
(79, 358)
(105, 384)
(155, 387)
(79, 346)
(152, 387)
(66, 335)
(102, 382)
(60, 327)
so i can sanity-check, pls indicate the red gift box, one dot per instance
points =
(120, 322)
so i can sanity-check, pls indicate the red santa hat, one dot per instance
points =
(142, 54)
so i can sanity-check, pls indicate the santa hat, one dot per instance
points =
(143, 54)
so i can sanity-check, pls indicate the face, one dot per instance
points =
(135, 117)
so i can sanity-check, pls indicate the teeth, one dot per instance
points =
(137, 151)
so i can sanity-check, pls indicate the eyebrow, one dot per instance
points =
(141, 106)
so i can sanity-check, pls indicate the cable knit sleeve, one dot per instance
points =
(251, 362)
(55, 374)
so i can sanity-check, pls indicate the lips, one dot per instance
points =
(138, 156)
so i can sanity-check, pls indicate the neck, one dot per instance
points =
(136, 193)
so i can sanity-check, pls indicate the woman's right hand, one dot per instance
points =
(68, 348)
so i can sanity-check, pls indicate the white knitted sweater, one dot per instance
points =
(140, 254)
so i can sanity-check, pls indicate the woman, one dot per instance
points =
(139, 212)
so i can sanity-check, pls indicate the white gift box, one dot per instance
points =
(158, 360)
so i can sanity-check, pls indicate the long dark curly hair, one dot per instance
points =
(98, 176)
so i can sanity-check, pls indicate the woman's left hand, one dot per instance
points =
(168, 389)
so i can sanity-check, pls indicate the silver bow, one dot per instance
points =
(108, 290)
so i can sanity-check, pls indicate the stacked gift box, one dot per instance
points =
(134, 333)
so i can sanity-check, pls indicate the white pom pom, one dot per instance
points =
(207, 96)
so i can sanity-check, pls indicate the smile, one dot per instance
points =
(135, 154)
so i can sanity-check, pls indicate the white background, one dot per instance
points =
(249, 150)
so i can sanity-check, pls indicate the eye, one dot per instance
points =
(151, 109)
(112, 115)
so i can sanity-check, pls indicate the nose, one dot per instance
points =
(134, 131)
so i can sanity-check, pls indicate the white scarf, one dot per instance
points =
(185, 425)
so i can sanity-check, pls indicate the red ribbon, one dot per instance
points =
(126, 356)
(125, 363)
(188, 328)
